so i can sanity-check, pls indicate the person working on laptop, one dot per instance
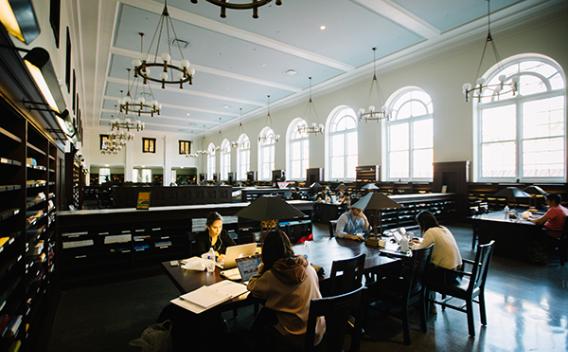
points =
(288, 283)
(446, 257)
(351, 222)
(554, 218)
(213, 237)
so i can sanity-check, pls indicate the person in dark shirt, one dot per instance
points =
(213, 237)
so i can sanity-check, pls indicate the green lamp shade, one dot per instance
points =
(269, 208)
(375, 201)
(512, 193)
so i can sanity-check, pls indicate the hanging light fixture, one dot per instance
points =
(482, 89)
(126, 124)
(254, 5)
(314, 128)
(163, 62)
(236, 144)
(142, 102)
(272, 137)
(372, 114)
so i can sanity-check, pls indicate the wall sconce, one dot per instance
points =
(18, 16)
(39, 65)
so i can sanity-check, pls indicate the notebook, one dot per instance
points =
(207, 297)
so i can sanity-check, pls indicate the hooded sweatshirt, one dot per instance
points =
(288, 288)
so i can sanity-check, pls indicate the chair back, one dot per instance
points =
(346, 275)
(413, 271)
(336, 310)
(480, 266)
(564, 235)
(332, 227)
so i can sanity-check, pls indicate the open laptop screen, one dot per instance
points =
(248, 266)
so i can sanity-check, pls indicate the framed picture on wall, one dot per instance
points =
(184, 147)
(148, 145)
(68, 62)
(54, 15)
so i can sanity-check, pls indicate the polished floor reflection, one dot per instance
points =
(527, 308)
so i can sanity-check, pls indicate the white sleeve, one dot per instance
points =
(339, 229)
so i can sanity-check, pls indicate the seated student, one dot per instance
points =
(288, 283)
(213, 237)
(446, 257)
(351, 222)
(554, 218)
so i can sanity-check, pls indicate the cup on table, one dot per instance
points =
(210, 266)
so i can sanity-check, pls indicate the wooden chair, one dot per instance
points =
(346, 275)
(337, 311)
(471, 287)
(562, 243)
(406, 289)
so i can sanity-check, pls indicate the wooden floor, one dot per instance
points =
(527, 308)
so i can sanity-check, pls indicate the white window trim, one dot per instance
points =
(393, 99)
(331, 120)
(225, 156)
(304, 160)
(262, 146)
(518, 100)
(211, 161)
(241, 152)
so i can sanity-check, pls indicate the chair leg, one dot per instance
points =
(470, 325)
(443, 302)
(405, 325)
(482, 313)
(423, 312)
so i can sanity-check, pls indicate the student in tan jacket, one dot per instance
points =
(288, 283)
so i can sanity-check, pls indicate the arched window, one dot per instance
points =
(225, 159)
(266, 146)
(522, 136)
(297, 151)
(409, 135)
(243, 157)
(211, 161)
(341, 144)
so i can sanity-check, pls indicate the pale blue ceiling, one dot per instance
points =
(449, 14)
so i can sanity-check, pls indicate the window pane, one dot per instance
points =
(423, 134)
(351, 166)
(543, 118)
(422, 163)
(295, 151)
(498, 124)
(399, 164)
(498, 159)
(337, 145)
(543, 157)
(337, 166)
(350, 142)
(529, 84)
(398, 137)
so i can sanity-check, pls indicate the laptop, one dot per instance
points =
(246, 268)
(234, 252)
(398, 233)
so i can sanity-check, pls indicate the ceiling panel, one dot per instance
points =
(449, 14)
(219, 51)
(209, 83)
(351, 30)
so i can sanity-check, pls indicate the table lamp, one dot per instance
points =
(376, 201)
(370, 187)
(268, 210)
(512, 194)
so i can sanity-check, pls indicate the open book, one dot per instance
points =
(207, 297)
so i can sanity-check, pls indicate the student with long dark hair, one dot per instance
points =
(446, 257)
(288, 283)
(213, 237)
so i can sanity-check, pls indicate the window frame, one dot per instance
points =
(518, 102)
(334, 117)
(181, 147)
(243, 154)
(151, 146)
(211, 162)
(102, 140)
(271, 148)
(290, 142)
(386, 125)
(225, 160)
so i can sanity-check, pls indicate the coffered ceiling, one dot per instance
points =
(239, 60)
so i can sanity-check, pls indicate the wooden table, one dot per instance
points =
(322, 253)
(515, 238)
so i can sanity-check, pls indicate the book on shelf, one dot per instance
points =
(117, 239)
(207, 297)
(78, 244)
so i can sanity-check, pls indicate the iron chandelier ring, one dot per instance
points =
(140, 70)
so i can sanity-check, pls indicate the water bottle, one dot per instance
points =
(506, 211)
(211, 258)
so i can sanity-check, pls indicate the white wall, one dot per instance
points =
(166, 156)
(441, 75)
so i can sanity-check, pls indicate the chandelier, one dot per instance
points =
(116, 141)
(482, 89)
(126, 124)
(269, 138)
(314, 128)
(170, 73)
(142, 103)
(254, 5)
(372, 114)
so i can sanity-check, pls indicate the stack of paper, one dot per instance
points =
(207, 297)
